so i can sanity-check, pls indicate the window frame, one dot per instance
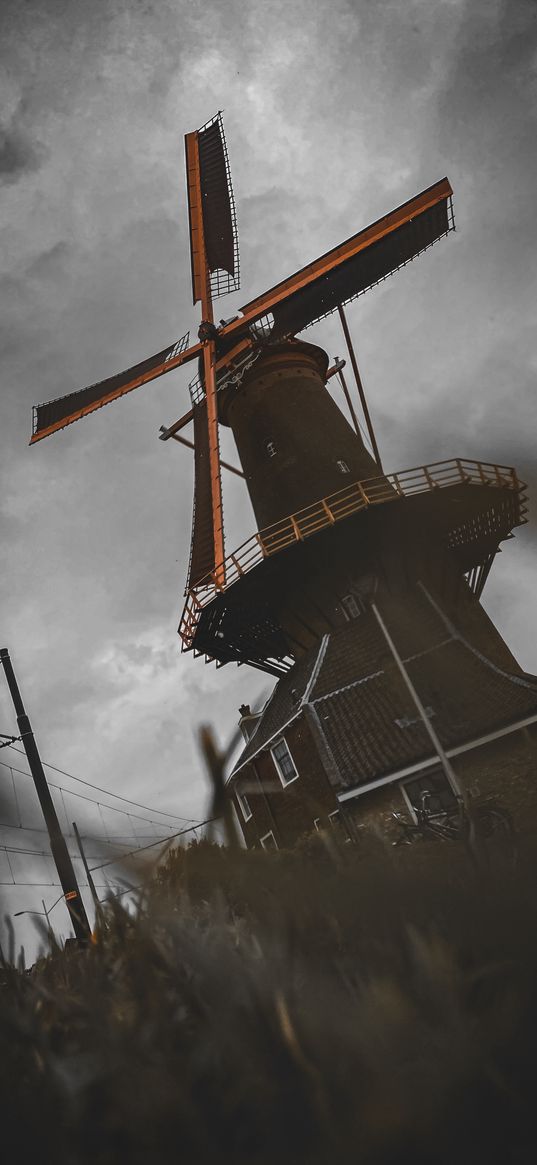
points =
(336, 813)
(285, 783)
(247, 816)
(350, 601)
(267, 848)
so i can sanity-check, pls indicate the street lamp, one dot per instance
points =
(43, 913)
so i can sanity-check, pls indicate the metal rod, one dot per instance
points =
(360, 387)
(165, 434)
(60, 853)
(191, 445)
(349, 403)
(448, 770)
(91, 883)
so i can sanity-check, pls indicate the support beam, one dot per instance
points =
(165, 434)
(190, 445)
(360, 388)
(447, 767)
(350, 405)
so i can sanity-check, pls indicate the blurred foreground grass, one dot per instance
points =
(331, 1004)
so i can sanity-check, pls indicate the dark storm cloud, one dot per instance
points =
(19, 155)
(335, 112)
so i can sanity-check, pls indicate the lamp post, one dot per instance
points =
(43, 913)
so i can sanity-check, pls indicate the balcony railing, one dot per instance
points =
(350, 500)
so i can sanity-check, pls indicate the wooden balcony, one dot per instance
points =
(481, 523)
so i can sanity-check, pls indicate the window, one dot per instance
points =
(342, 466)
(351, 607)
(270, 448)
(284, 762)
(333, 818)
(435, 782)
(244, 804)
(268, 841)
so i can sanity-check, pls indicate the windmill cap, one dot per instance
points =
(275, 357)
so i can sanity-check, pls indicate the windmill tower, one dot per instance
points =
(359, 591)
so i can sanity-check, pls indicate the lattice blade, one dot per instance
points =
(202, 549)
(57, 414)
(355, 266)
(212, 217)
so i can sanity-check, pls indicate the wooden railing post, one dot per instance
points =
(328, 511)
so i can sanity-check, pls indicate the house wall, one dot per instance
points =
(288, 811)
(504, 771)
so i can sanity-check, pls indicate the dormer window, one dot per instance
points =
(351, 607)
(270, 449)
(342, 466)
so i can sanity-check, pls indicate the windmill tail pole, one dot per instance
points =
(360, 387)
(60, 853)
(460, 792)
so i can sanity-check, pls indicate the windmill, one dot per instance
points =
(254, 375)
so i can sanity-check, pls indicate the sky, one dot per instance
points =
(335, 112)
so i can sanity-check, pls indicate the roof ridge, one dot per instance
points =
(456, 634)
(316, 669)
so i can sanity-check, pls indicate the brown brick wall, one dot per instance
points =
(289, 812)
(504, 771)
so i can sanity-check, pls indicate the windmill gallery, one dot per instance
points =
(360, 591)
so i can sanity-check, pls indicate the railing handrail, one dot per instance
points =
(355, 496)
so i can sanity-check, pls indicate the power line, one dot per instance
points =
(84, 886)
(89, 836)
(179, 833)
(118, 796)
(41, 853)
(94, 801)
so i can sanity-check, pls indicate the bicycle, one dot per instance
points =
(482, 821)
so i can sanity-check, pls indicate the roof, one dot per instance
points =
(366, 714)
(284, 705)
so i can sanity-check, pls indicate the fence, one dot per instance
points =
(351, 499)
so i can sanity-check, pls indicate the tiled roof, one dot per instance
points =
(373, 727)
(282, 705)
(365, 711)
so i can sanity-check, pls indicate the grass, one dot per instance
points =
(331, 1004)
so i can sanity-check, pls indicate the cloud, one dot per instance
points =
(50, 264)
(334, 113)
(19, 153)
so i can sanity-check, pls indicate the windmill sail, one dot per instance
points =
(355, 266)
(48, 418)
(202, 549)
(211, 206)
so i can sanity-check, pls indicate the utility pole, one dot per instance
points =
(60, 853)
(91, 883)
